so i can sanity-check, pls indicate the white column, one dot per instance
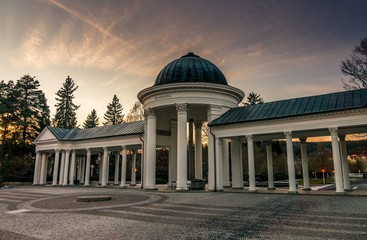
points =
(344, 161)
(172, 165)
(56, 167)
(66, 168)
(117, 166)
(37, 166)
(144, 153)
(305, 172)
(43, 170)
(191, 167)
(219, 164)
(123, 167)
(78, 162)
(62, 166)
(251, 163)
(269, 161)
(235, 166)
(133, 166)
(225, 162)
(108, 168)
(82, 166)
(151, 144)
(104, 166)
(213, 113)
(181, 147)
(100, 167)
(72, 168)
(46, 168)
(336, 159)
(198, 151)
(290, 161)
(87, 168)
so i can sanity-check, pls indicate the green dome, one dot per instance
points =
(190, 68)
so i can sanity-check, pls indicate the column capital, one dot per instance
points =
(249, 137)
(150, 113)
(333, 131)
(181, 108)
(105, 148)
(67, 150)
(57, 150)
(288, 134)
(303, 139)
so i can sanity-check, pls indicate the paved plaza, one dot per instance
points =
(30, 212)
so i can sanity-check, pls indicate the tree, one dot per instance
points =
(33, 109)
(356, 67)
(136, 113)
(92, 120)
(8, 112)
(253, 98)
(114, 114)
(65, 116)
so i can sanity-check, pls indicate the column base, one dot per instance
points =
(340, 193)
(293, 192)
(306, 189)
(182, 190)
(86, 185)
(124, 186)
(252, 190)
(271, 188)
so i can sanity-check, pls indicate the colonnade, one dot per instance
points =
(181, 165)
(339, 151)
(75, 164)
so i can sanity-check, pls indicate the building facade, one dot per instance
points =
(187, 93)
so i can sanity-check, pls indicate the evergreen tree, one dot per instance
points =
(92, 120)
(33, 109)
(65, 116)
(8, 112)
(114, 114)
(253, 98)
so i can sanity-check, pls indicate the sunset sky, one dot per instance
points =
(280, 49)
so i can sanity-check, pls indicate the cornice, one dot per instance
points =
(182, 87)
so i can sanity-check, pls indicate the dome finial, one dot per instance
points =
(190, 54)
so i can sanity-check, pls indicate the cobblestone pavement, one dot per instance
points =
(53, 213)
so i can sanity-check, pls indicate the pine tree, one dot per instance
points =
(33, 109)
(92, 120)
(253, 98)
(114, 114)
(65, 116)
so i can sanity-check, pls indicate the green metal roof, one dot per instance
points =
(295, 107)
(75, 134)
